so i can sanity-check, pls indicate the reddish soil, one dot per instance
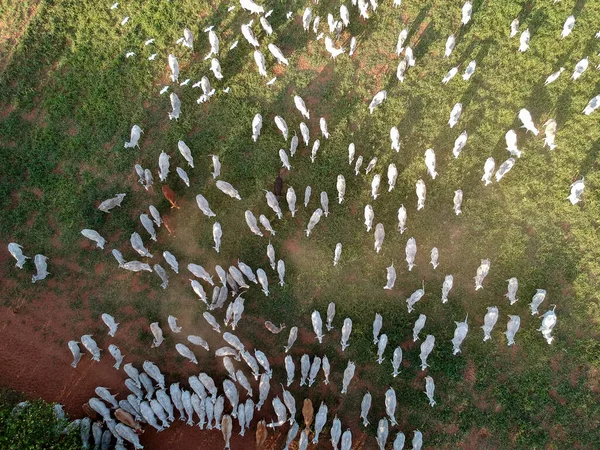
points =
(109, 145)
(292, 246)
(59, 169)
(303, 63)
(278, 70)
(593, 380)
(34, 331)
(10, 34)
(31, 218)
(37, 192)
(470, 373)
(477, 439)
(353, 210)
(6, 110)
(378, 72)
(420, 31)
(37, 116)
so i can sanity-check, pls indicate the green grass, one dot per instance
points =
(33, 426)
(70, 65)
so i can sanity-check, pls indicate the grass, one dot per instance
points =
(33, 426)
(75, 98)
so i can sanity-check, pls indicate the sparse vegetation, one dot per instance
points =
(33, 426)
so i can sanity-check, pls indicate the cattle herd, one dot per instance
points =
(217, 405)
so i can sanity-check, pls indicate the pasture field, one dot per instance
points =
(69, 97)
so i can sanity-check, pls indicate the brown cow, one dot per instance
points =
(261, 434)
(278, 186)
(308, 413)
(170, 196)
(126, 418)
(226, 425)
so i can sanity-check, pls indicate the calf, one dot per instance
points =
(170, 196)
(308, 413)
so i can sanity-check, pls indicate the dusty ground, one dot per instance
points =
(41, 328)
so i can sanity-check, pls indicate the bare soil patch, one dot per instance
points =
(12, 27)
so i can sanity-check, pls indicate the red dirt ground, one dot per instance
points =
(11, 32)
(34, 330)
(36, 325)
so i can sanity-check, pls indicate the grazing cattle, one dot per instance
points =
(378, 99)
(261, 434)
(417, 441)
(446, 286)
(74, 348)
(278, 186)
(426, 348)
(548, 322)
(116, 353)
(482, 272)
(226, 425)
(536, 301)
(91, 346)
(129, 435)
(124, 417)
(348, 375)
(110, 323)
(390, 405)
(41, 267)
(489, 320)
(308, 413)
(513, 286)
(580, 67)
(450, 43)
(274, 328)
(170, 196)
(365, 406)
(15, 250)
(382, 344)
(434, 256)
(514, 28)
(527, 121)
(524, 40)
(511, 329)
(459, 335)
(291, 199)
(291, 338)
(576, 191)
(326, 368)
(314, 220)
(396, 361)
(320, 421)
(346, 330)
(382, 433)
(419, 325)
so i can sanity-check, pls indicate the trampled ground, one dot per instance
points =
(69, 97)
